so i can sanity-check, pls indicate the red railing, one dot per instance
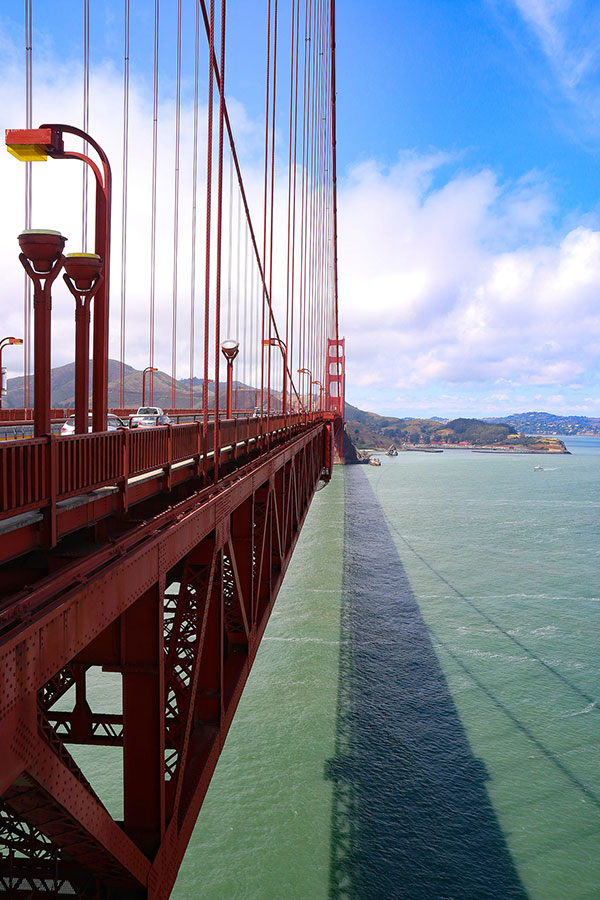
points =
(148, 449)
(186, 441)
(34, 472)
(86, 461)
(25, 475)
(26, 415)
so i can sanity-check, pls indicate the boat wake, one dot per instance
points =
(582, 712)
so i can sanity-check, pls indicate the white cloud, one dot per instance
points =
(57, 205)
(566, 32)
(455, 288)
(437, 285)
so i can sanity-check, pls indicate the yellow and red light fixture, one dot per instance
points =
(34, 144)
(42, 247)
(230, 349)
(83, 269)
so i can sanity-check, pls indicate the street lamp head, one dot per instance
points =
(274, 342)
(230, 349)
(83, 269)
(41, 247)
(13, 340)
(33, 144)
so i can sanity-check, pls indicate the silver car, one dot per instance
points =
(148, 416)
(113, 423)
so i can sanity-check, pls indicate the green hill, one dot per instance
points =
(369, 430)
(549, 423)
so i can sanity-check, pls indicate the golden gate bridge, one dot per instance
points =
(157, 553)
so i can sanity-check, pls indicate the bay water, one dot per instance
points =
(422, 721)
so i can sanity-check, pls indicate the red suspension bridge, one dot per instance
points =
(157, 553)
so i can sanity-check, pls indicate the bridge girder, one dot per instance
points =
(179, 611)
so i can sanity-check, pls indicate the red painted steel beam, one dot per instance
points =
(227, 549)
(32, 472)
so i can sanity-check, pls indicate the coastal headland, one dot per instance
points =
(378, 433)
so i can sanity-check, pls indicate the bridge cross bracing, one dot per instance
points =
(206, 224)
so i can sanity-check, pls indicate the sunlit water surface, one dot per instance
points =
(423, 719)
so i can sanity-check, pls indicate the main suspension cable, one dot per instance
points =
(153, 198)
(124, 201)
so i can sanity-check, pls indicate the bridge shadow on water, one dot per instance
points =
(412, 819)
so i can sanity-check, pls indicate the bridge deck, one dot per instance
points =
(172, 588)
(52, 486)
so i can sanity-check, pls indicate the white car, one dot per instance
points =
(148, 416)
(113, 423)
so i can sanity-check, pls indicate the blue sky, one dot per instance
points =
(471, 76)
(468, 151)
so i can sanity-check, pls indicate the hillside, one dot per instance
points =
(549, 423)
(369, 430)
(63, 389)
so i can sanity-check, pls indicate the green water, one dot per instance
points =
(422, 720)
(502, 565)
(264, 827)
(505, 564)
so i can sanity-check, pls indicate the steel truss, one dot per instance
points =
(179, 613)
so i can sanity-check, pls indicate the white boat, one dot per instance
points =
(538, 468)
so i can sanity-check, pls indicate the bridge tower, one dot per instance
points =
(335, 391)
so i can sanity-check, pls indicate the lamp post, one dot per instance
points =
(42, 258)
(230, 350)
(277, 342)
(5, 342)
(315, 381)
(31, 144)
(307, 372)
(83, 276)
(147, 369)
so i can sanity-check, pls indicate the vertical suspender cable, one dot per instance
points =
(314, 187)
(240, 181)
(219, 237)
(176, 211)
(272, 192)
(245, 330)
(304, 190)
(124, 203)
(227, 123)
(209, 156)
(289, 197)
(334, 183)
(153, 200)
(230, 247)
(28, 197)
(194, 200)
(265, 195)
(238, 269)
(86, 118)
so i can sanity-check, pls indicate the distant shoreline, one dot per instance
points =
(474, 448)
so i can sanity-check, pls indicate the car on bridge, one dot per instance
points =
(149, 416)
(113, 423)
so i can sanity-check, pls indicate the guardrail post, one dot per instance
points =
(50, 530)
(197, 467)
(124, 484)
(167, 468)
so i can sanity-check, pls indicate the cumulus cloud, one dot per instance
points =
(457, 291)
(464, 283)
(57, 203)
